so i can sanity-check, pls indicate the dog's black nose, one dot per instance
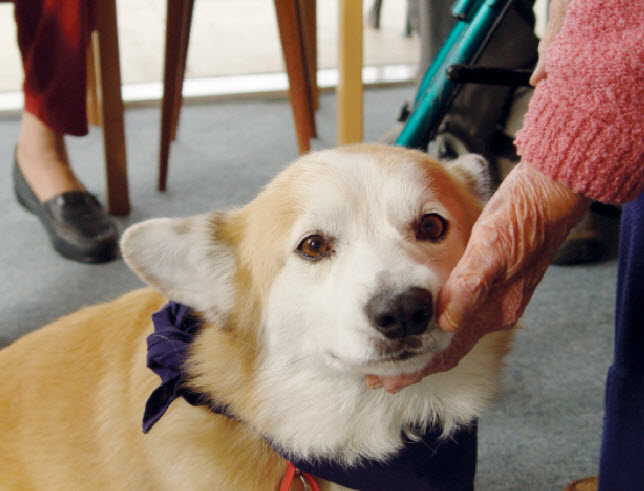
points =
(403, 314)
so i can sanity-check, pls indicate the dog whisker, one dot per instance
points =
(289, 364)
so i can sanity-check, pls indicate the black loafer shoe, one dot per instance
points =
(75, 221)
(585, 244)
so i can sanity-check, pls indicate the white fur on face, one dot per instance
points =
(315, 340)
(368, 213)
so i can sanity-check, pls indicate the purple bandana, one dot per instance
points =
(174, 330)
(427, 464)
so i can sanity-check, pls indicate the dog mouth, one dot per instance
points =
(396, 356)
(401, 348)
(400, 356)
(390, 362)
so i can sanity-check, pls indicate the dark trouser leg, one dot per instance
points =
(622, 451)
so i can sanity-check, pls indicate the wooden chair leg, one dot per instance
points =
(108, 77)
(290, 29)
(186, 22)
(308, 20)
(178, 20)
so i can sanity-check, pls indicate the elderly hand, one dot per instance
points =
(509, 249)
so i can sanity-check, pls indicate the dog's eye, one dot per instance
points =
(313, 247)
(431, 227)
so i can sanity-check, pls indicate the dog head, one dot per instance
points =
(338, 261)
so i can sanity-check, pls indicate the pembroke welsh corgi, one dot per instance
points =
(256, 369)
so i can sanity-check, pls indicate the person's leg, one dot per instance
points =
(622, 450)
(42, 158)
(53, 36)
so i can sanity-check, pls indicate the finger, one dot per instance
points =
(442, 362)
(395, 384)
(539, 72)
(461, 295)
(469, 283)
(373, 381)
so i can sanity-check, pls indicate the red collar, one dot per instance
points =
(292, 473)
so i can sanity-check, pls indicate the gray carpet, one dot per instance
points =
(542, 433)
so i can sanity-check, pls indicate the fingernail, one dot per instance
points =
(453, 315)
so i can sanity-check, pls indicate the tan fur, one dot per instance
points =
(73, 370)
(78, 387)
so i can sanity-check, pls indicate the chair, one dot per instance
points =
(105, 105)
(297, 27)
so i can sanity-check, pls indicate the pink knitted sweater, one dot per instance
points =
(585, 124)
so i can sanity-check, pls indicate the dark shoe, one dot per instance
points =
(77, 225)
(585, 244)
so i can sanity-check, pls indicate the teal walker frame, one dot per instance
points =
(454, 65)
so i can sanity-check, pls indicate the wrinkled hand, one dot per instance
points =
(510, 247)
(556, 15)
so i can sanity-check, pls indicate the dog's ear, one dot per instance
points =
(473, 170)
(185, 259)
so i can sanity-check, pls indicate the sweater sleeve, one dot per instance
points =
(585, 124)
